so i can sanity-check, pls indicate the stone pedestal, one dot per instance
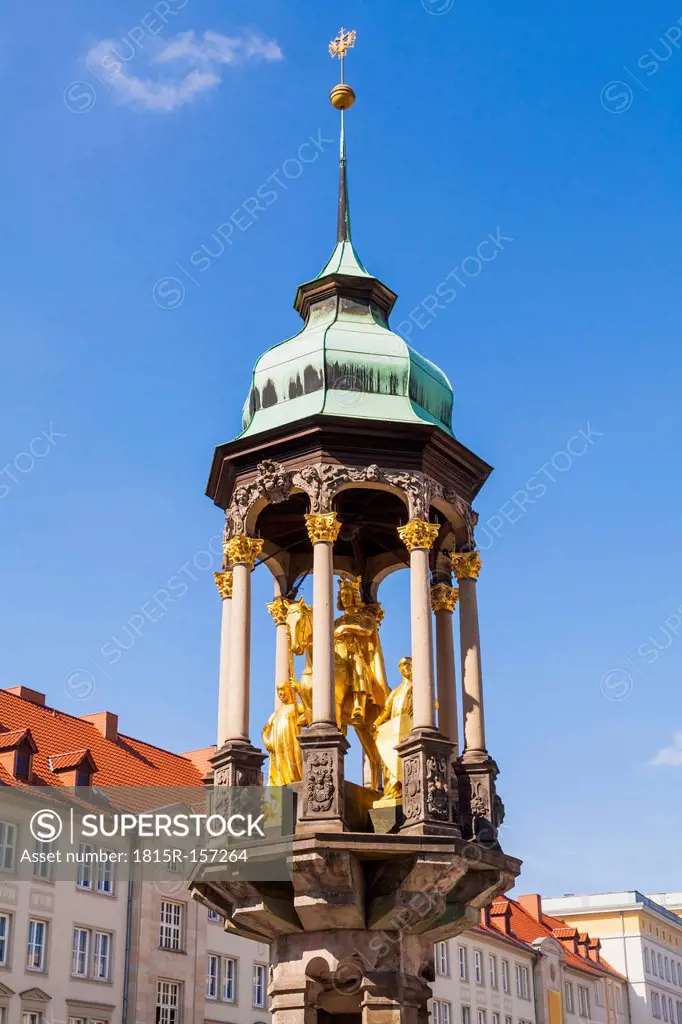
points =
(428, 805)
(238, 763)
(321, 801)
(483, 808)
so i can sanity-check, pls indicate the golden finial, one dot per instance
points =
(342, 96)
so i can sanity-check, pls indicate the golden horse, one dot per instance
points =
(300, 624)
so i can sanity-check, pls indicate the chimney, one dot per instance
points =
(105, 722)
(532, 904)
(26, 693)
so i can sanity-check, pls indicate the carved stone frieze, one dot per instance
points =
(322, 483)
(320, 781)
(437, 787)
(412, 789)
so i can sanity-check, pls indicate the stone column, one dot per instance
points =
(443, 601)
(426, 756)
(466, 566)
(279, 609)
(481, 809)
(418, 537)
(321, 803)
(323, 530)
(237, 762)
(224, 584)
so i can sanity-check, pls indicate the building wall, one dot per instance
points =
(483, 998)
(631, 937)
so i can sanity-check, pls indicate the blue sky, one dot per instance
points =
(556, 127)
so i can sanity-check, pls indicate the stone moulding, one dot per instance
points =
(322, 482)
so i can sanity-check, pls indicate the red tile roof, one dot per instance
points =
(12, 738)
(58, 762)
(123, 761)
(525, 929)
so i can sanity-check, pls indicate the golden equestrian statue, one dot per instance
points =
(392, 726)
(280, 737)
(361, 689)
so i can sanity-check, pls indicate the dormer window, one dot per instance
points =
(74, 768)
(17, 748)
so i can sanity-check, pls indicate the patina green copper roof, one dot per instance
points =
(346, 361)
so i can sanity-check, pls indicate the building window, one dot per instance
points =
(492, 969)
(466, 1015)
(505, 976)
(478, 966)
(84, 873)
(4, 940)
(442, 959)
(168, 1002)
(568, 996)
(105, 878)
(599, 993)
(522, 982)
(647, 960)
(619, 1000)
(441, 1012)
(229, 989)
(170, 933)
(656, 1005)
(42, 868)
(496, 1017)
(665, 1010)
(679, 973)
(259, 985)
(508, 1019)
(660, 965)
(480, 1017)
(679, 1012)
(212, 969)
(213, 915)
(32, 1018)
(79, 956)
(35, 946)
(583, 1001)
(8, 842)
(653, 963)
(667, 969)
(101, 956)
(463, 955)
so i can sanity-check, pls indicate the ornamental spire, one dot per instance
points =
(342, 97)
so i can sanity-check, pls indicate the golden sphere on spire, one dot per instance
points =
(342, 96)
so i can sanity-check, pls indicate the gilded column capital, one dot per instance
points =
(242, 550)
(323, 526)
(418, 534)
(466, 565)
(279, 609)
(444, 598)
(223, 581)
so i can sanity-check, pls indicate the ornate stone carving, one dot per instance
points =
(320, 781)
(418, 534)
(279, 609)
(323, 526)
(321, 484)
(444, 598)
(466, 565)
(437, 783)
(419, 489)
(464, 509)
(223, 581)
(273, 483)
(412, 788)
(242, 550)
(479, 798)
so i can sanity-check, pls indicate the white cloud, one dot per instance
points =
(670, 755)
(191, 66)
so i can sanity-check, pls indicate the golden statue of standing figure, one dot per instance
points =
(393, 725)
(280, 737)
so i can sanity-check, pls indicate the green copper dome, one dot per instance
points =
(346, 361)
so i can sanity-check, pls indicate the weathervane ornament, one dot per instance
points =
(342, 96)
